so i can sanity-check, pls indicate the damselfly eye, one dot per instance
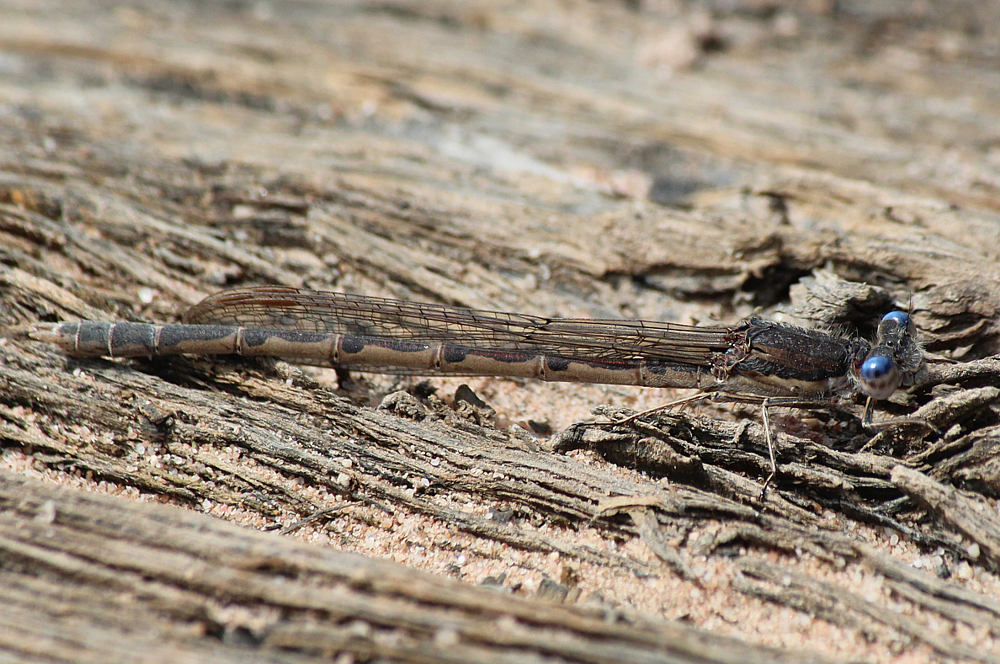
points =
(876, 367)
(879, 377)
(900, 318)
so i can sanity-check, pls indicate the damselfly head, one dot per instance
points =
(894, 358)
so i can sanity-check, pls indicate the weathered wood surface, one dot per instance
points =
(637, 160)
(158, 582)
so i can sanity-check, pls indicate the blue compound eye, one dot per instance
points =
(898, 316)
(876, 367)
(879, 377)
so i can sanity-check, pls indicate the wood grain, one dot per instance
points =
(818, 162)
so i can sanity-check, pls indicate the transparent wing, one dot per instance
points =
(321, 311)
